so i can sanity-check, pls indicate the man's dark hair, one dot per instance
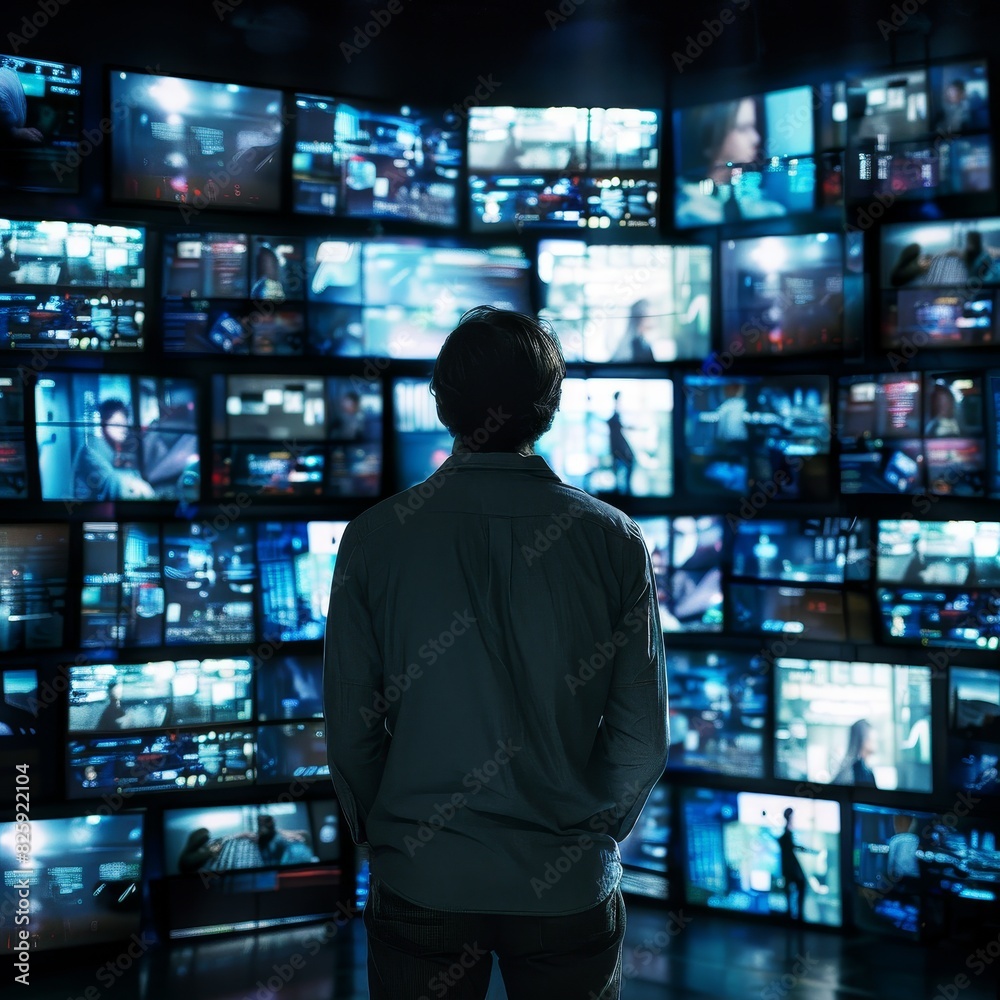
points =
(107, 409)
(498, 380)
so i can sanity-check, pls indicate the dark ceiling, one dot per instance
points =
(601, 51)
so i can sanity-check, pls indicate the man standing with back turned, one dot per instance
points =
(495, 695)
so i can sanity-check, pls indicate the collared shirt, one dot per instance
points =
(495, 688)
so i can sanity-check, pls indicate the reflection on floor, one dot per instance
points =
(670, 954)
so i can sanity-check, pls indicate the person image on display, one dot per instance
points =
(622, 455)
(862, 745)
(634, 345)
(106, 466)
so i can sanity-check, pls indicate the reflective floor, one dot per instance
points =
(669, 954)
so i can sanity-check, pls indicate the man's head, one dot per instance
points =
(498, 380)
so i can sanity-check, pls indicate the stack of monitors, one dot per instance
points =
(974, 730)
(787, 295)
(763, 854)
(401, 298)
(782, 575)
(195, 144)
(767, 433)
(911, 866)
(867, 725)
(633, 304)
(939, 283)
(938, 583)
(687, 554)
(748, 158)
(914, 133)
(170, 583)
(33, 577)
(231, 293)
(117, 437)
(358, 159)
(38, 145)
(645, 852)
(13, 460)
(556, 167)
(913, 433)
(296, 436)
(71, 286)
(84, 883)
(718, 710)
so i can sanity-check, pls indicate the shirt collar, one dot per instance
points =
(534, 464)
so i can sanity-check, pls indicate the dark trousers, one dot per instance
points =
(417, 954)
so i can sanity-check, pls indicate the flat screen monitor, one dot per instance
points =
(296, 560)
(13, 460)
(786, 295)
(747, 158)
(19, 703)
(906, 434)
(758, 435)
(939, 553)
(358, 159)
(629, 304)
(645, 852)
(594, 168)
(808, 550)
(687, 554)
(422, 441)
(290, 751)
(84, 882)
(852, 723)
(762, 854)
(613, 436)
(718, 710)
(240, 838)
(176, 760)
(939, 283)
(71, 286)
(177, 583)
(415, 293)
(117, 437)
(40, 127)
(962, 618)
(33, 576)
(195, 144)
(230, 293)
(914, 134)
(163, 694)
(829, 614)
(889, 893)
(296, 436)
(290, 686)
(974, 730)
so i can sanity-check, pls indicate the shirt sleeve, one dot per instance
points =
(632, 743)
(354, 709)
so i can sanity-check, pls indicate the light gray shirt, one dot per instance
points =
(495, 688)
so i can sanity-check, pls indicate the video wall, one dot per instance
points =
(209, 370)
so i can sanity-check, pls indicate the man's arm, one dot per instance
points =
(631, 748)
(356, 737)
